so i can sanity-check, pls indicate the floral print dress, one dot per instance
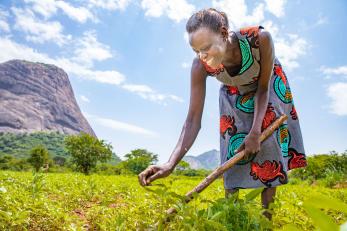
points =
(284, 149)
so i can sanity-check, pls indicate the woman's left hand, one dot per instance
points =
(251, 144)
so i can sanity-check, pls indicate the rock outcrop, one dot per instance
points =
(38, 97)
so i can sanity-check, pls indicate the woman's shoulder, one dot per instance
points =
(250, 33)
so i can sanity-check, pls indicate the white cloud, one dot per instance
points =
(176, 10)
(305, 25)
(276, 7)
(185, 65)
(13, 50)
(109, 77)
(80, 14)
(338, 94)
(138, 88)
(48, 8)
(120, 126)
(37, 30)
(4, 26)
(321, 20)
(238, 14)
(290, 49)
(90, 49)
(84, 98)
(176, 98)
(109, 4)
(342, 70)
(148, 93)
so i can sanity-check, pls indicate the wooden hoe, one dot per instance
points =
(228, 164)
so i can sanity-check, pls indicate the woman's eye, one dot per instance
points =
(206, 48)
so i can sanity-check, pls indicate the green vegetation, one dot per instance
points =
(110, 197)
(38, 157)
(87, 150)
(73, 201)
(19, 145)
(8, 162)
(183, 168)
(15, 150)
(139, 159)
(326, 169)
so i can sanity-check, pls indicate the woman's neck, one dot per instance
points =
(232, 55)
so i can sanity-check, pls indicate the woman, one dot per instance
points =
(253, 93)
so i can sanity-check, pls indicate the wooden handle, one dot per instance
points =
(228, 164)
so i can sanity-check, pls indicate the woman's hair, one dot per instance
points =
(210, 18)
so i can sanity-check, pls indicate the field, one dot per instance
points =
(72, 201)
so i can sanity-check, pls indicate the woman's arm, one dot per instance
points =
(261, 98)
(192, 123)
(267, 55)
(190, 128)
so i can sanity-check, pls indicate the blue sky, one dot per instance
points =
(129, 64)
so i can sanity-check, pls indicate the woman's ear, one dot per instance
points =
(225, 33)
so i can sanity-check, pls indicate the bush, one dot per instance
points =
(138, 160)
(8, 162)
(183, 168)
(87, 150)
(38, 157)
(325, 169)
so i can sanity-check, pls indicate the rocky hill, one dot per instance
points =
(207, 160)
(38, 97)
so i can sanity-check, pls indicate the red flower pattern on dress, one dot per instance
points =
(250, 31)
(293, 113)
(278, 71)
(268, 171)
(227, 124)
(269, 117)
(297, 160)
(232, 90)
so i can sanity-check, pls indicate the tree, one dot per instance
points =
(38, 157)
(86, 151)
(139, 159)
(59, 160)
(182, 165)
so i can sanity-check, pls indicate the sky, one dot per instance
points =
(129, 64)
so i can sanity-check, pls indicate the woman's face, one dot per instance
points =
(208, 45)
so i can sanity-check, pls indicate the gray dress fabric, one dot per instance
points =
(284, 149)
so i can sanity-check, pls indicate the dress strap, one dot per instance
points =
(251, 34)
(251, 31)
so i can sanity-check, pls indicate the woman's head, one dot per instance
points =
(210, 18)
(208, 34)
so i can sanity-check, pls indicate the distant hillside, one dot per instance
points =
(19, 145)
(207, 160)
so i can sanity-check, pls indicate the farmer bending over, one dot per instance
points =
(254, 91)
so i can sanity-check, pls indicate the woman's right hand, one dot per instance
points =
(154, 172)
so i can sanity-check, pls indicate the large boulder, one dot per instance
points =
(38, 97)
